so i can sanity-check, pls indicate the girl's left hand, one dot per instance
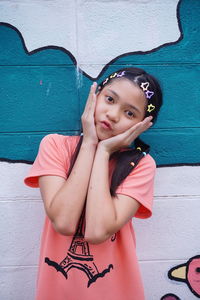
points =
(87, 118)
(123, 140)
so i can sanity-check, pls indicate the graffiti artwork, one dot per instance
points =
(46, 71)
(53, 90)
(170, 297)
(189, 273)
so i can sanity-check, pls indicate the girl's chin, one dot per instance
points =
(102, 137)
(103, 134)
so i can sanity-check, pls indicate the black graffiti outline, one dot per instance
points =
(186, 279)
(110, 62)
(102, 71)
(170, 295)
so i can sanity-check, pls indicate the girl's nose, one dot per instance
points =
(113, 114)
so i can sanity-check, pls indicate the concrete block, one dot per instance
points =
(177, 181)
(17, 283)
(172, 232)
(20, 230)
(12, 183)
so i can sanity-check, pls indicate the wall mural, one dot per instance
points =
(45, 89)
(170, 297)
(189, 273)
(91, 46)
(45, 81)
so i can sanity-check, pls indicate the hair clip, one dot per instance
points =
(105, 81)
(121, 74)
(144, 86)
(149, 94)
(132, 164)
(144, 153)
(113, 75)
(151, 107)
(138, 148)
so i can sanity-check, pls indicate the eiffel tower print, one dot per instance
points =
(79, 257)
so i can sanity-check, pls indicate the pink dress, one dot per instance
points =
(70, 268)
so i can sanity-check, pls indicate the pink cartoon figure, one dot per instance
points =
(188, 273)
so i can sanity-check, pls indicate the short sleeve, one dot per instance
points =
(52, 159)
(139, 185)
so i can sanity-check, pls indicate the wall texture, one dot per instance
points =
(50, 52)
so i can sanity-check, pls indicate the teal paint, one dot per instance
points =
(39, 93)
(36, 99)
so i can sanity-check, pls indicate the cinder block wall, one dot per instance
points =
(36, 86)
(164, 241)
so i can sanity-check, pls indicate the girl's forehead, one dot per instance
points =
(120, 82)
(124, 87)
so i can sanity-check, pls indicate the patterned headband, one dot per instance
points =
(144, 86)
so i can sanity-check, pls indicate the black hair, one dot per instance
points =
(126, 161)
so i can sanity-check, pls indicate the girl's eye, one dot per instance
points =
(129, 113)
(109, 99)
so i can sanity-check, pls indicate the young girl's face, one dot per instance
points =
(120, 105)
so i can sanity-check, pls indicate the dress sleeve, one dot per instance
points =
(52, 159)
(139, 185)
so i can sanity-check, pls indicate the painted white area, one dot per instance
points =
(21, 224)
(17, 283)
(173, 230)
(167, 239)
(95, 32)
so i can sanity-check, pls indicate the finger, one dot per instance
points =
(89, 112)
(146, 123)
(140, 128)
(133, 132)
(147, 120)
(91, 96)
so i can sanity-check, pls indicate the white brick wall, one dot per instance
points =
(167, 239)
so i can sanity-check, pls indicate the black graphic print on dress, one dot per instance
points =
(79, 257)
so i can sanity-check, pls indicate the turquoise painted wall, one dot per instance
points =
(40, 93)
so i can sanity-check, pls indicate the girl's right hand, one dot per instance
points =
(124, 139)
(87, 118)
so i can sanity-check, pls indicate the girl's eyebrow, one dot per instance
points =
(130, 105)
(113, 93)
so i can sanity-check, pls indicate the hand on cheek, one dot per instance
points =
(123, 140)
(87, 118)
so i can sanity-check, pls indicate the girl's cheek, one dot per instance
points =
(98, 106)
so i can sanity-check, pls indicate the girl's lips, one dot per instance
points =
(106, 125)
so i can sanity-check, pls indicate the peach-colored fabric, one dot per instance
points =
(69, 267)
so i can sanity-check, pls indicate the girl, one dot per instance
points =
(91, 187)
